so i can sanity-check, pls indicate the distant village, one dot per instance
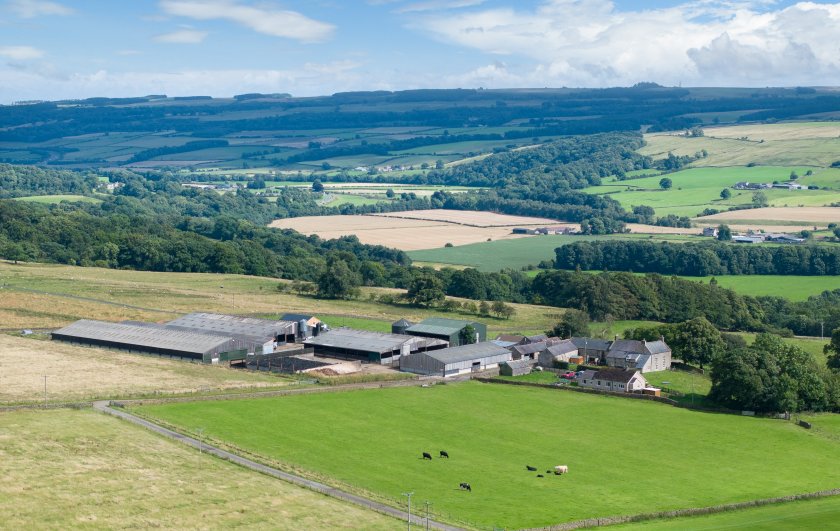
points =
(435, 347)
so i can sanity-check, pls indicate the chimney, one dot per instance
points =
(662, 338)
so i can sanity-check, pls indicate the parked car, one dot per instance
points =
(570, 375)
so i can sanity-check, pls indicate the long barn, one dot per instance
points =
(373, 347)
(456, 360)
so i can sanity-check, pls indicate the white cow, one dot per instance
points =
(561, 469)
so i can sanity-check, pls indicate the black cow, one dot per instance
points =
(465, 486)
(444, 454)
(548, 471)
(540, 476)
(427, 455)
(531, 468)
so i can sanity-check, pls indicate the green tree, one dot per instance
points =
(725, 193)
(439, 164)
(468, 335)
(317, 185)
(724, 233)
(484, 308)
(666, 183)
(759, 199)
(425, 290)
(572, 323)
(832, 350)
(338, 281)
(697, 341)
(502, 310)
(389, 193)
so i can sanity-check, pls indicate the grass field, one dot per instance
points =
(118, 295)
(674, 456)
(783, 144)
(807, 514)
(82, 470)
(517, 253)
(58, 198)
(82, 373)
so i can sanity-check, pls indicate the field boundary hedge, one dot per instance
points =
(694, 511)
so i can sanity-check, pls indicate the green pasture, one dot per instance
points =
(359, 323)
(58, 198)
(372, 440)
(356, 200)
(516, 253)
(821, 513)
(696, 189)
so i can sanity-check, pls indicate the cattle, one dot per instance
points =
(427, 455)
(548, 471)
(531, 468)
(540, 476)
(561, 469)
(465, 486)
(443, 453)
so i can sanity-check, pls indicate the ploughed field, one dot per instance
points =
(624, 456)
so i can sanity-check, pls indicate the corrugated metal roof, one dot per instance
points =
(361, 340)
(146, 336)
(517, 364)
(591, 343)
(474, 351)
(438, 326)
(563, 347)
(234, 325)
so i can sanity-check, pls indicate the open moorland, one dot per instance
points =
(81, 373)
(67, 469)
(492, 431)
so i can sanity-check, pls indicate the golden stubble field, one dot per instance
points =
(819, 216)
(67, 469)
(83, 373)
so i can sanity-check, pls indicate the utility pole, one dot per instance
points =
(427, 515)
(45, 391)
(408, 495)
(200, 436)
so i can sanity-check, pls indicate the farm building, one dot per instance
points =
(373, 347)
(514, 368)
(308, 325)
(613, 380)
(399, 327)
(645, 356)
(454, 361)
(784, 238)
(565, 350)
(510, 339)
(530, 351)
(261, 335)
(154, 339)
(592, 350)
(450, 330)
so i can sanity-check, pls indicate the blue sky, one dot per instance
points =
(51, 49)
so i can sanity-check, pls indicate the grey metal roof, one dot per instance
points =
(517, 364)
(473, 351)
(529, 348)
(563, 347)
(628, 347)
(614, 376)
(234, 325)
(657, 347)
(361, 340)
(402, 322)
(538, 338)
(438, 326)
(501, 343)
(591, 343)
(514, 339)
(149, 336)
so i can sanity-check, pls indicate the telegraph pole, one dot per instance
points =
(408, 495)
(45, 391)
(427, 515)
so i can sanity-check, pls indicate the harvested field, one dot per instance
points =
(399, 233)
(83, 470)
(471, 218)
(813, 215)
(83, 373)
(637, 228)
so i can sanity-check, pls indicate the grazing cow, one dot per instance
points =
(465, 486)
(548, 471)
(561, 469)
(444, 454)
(427, 455)
(531, 468)
(540, 476)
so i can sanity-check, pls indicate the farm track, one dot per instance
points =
(104, 407)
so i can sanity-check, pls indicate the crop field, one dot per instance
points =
(70, 469)
(783, 144)
(516, 253)
(399, 233)
(84, 373)
(471, 218)
(492, 431)
(820, 216)
(68, 293)
(697, 189)
(807, 514)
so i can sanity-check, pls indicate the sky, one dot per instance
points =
(63, 49)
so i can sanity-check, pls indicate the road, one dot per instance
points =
(105, 407)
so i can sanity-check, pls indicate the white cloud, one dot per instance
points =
(182, 36)
(275, 22)
(592, 43)
(37, 8)
(439, 5)
(20, 53)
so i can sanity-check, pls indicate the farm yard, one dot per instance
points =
(66, 469)
(321, 434)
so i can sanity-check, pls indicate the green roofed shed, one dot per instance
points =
(451, 330)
